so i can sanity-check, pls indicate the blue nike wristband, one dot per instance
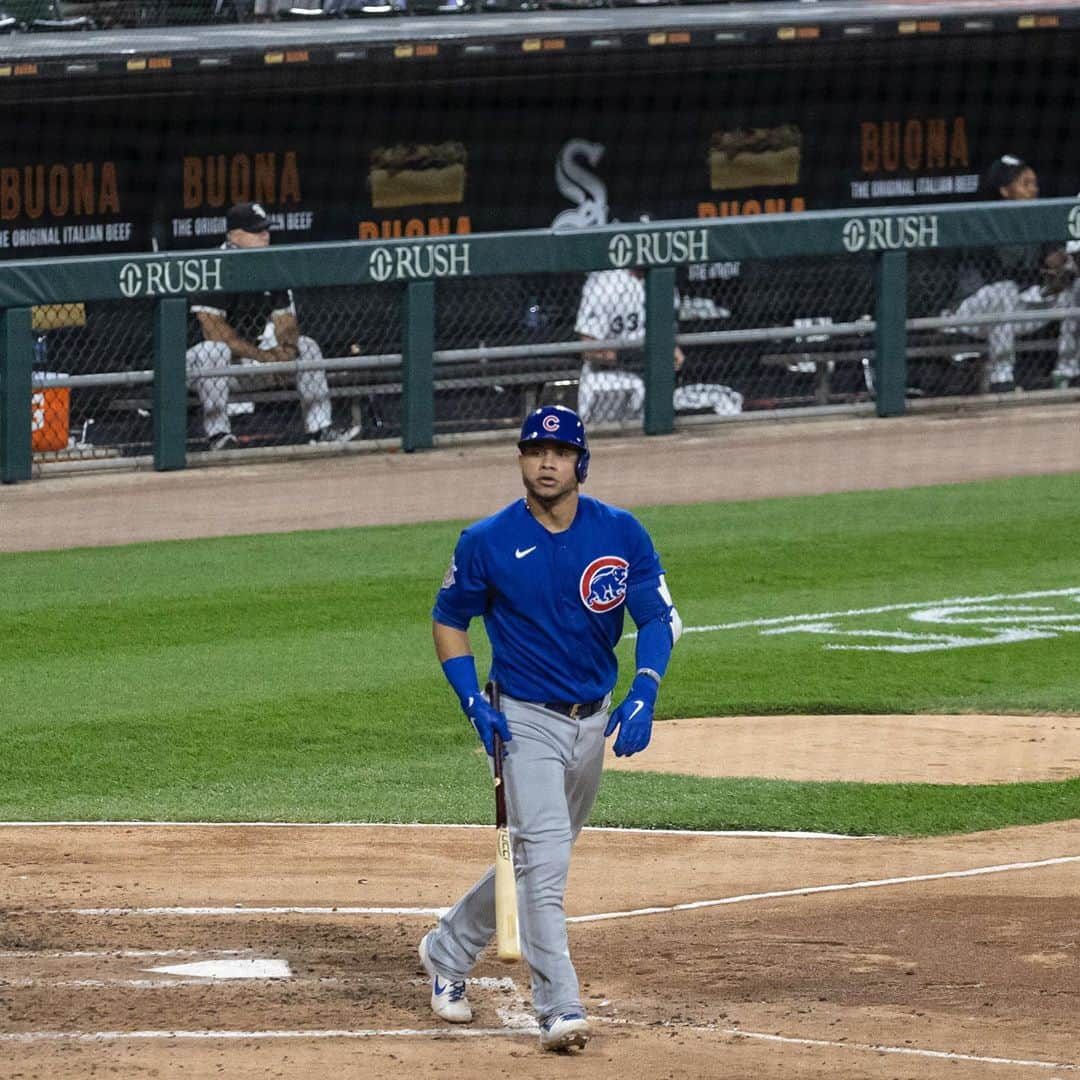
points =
(644, 687)
(460, 672)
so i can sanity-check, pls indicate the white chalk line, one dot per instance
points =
(876, 1048)
(235, 909)
(332, 1033)
(764, 834)
(26, 1037)
(515, 1017)
(437, 912)
(117, 954)
(947, 1055)
(149, 984)
(811, 890)
(516, 1011)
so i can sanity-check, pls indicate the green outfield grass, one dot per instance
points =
(291, 677)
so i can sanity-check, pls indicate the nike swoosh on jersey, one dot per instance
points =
(520, 553)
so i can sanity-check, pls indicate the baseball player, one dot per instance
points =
(1018, 278)
(612, 307)
(552, 575)
(251, 328)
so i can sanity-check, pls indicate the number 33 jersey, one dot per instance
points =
(612, 306)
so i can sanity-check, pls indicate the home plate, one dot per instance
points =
(250, 968)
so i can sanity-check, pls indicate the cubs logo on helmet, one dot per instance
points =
(603, 584)
(557, 423)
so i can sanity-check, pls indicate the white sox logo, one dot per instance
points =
(603, 584)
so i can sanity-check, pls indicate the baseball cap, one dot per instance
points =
(248, 216)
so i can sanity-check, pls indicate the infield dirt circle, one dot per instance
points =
(700, 955)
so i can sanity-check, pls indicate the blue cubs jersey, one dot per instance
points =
(553, 603)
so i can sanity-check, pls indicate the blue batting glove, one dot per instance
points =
(634, 717)
(487, 721)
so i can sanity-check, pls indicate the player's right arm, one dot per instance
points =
(459, 666)
(286, 326)
(464, 595)
(450, 642)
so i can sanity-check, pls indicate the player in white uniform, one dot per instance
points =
(248, 328)
(612, 308)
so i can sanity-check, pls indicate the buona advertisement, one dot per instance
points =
(469, 155)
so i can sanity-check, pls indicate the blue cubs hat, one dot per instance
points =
(557, 423)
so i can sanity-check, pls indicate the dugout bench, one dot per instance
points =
(467, 396)
(928, 361)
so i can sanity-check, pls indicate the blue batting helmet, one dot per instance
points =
(557, 423)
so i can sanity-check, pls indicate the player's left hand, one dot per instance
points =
(634, 717)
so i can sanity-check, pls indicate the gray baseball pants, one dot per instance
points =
(213, 390)
(552, 773)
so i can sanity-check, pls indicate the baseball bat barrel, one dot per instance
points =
(507, 941)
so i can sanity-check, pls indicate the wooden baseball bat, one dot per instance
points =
(507, 942)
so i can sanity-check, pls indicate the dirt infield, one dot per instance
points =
(779, 956)
(976, 967)
(968, 749)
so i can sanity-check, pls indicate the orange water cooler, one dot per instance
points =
(50, 415)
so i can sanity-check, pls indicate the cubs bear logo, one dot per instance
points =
(603, 584)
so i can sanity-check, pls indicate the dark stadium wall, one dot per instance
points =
(464, 152)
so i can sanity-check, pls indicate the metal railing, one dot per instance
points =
(888, 235)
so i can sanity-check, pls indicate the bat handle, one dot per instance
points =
(497, 761)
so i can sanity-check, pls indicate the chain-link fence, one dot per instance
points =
(102, 354)
(1005, 320)
(754, 335)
